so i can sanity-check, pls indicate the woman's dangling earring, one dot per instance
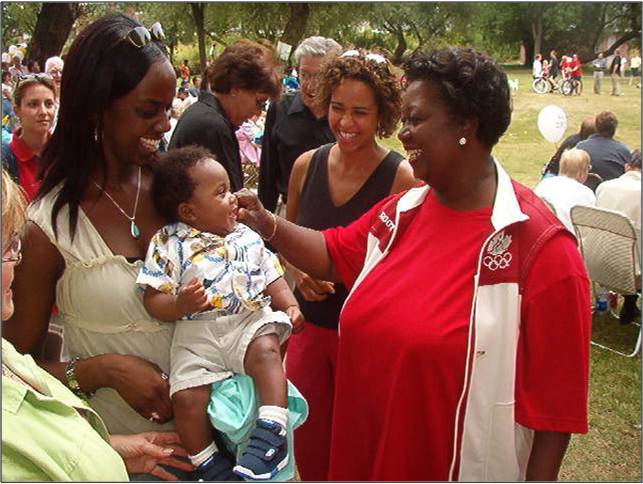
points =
(462, 141)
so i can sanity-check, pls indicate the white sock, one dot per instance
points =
(274, 413)
(204, 455)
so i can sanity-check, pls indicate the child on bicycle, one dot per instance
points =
(565, 67)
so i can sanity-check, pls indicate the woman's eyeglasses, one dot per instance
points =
(139, 37)
(13, 252)
(377, 58)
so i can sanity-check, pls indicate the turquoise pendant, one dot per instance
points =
(135, 231)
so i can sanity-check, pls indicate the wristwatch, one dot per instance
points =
(72, 382)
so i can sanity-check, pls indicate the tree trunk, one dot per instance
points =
(55, 21)
(537, 30)
(296, 25)
(170, 48)
(600, 26)
(400, 49)
(198, 13)
(397, 31)
(528, 41)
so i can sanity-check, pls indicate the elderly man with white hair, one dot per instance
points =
(54, 67)
(294, 125)
(564, 191)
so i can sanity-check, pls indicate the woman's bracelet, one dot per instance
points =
(72, 382)
(274, 228)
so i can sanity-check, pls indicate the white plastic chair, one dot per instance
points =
(609, 244)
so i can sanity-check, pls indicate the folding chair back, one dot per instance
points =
(610, 247)
(607, 241)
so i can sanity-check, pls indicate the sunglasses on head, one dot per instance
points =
(39, 75)
(139, 37)
(370, 56)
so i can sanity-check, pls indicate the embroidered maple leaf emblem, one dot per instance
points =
(499, 244)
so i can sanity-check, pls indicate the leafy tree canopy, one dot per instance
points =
(399, 28)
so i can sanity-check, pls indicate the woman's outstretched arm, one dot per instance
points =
(303, 247)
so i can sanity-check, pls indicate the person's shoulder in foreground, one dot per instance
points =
(47, 438)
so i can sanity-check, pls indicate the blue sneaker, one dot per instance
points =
(266, 454)
(216, 468)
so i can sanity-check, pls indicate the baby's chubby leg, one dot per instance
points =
(267, 450)
(263, 363)
(191, 419)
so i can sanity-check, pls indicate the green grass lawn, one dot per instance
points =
(611, 451)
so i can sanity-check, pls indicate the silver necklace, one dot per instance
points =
(134, 230)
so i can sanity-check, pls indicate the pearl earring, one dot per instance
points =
(462, 141)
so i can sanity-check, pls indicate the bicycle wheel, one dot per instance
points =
(540, 85)
(567, 88)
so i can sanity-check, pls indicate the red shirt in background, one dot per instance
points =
(27, 163)
(575, 66)
(565, 68)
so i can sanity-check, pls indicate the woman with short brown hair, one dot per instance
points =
(239, 83)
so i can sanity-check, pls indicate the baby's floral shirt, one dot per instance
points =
(234, 270)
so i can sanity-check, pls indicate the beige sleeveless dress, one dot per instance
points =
(101, 310)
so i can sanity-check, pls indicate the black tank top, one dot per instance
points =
(317, 211)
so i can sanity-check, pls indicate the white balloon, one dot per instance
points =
(552, 123)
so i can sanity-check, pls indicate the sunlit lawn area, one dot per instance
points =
(611, 451)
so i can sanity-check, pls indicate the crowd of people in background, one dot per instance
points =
(616, 67)
(555, 69)
(138, 223)
(587, 167)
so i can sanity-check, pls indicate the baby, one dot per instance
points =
(217, 279)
